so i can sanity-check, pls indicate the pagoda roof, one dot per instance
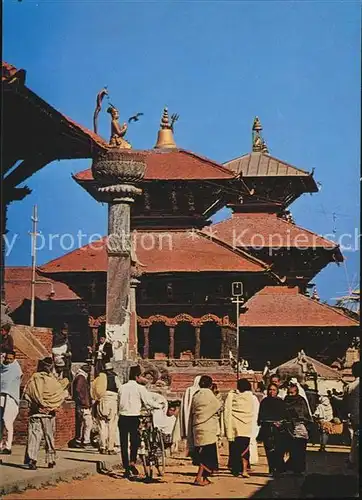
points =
(163, 252)
(269, 230)
(18, 287)
(79, 131)
(174, 165)
(50, 135)
(282, 306)
(8, 71)
(257, 164)
(323, 371)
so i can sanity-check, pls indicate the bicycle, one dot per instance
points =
(152, 447)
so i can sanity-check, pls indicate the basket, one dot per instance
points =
(331, 428)
(337, 429)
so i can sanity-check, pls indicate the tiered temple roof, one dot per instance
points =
(160, 252)
(55, 136)
(281, 306)
(18, 287)
(173, 164)
(269, 230)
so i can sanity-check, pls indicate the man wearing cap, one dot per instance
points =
(104, 391)
(83, 405)
(102, 354)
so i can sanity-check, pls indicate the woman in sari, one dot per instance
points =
(298, 415)
(238, 415)
(272, 413)
(205, 408)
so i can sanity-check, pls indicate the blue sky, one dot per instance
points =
(217, 64)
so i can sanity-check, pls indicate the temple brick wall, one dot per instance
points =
(28, 358)
(32, 344)
(45, 336)
(225, 379)
(65, 424)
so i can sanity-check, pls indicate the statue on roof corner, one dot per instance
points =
(117, 131)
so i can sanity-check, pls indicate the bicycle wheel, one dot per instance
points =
(146, 457)
(160, 453)
(147, 468)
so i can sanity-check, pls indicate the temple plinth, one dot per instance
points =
(116, 173)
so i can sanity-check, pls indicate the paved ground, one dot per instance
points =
(326, 477)
(71, 464)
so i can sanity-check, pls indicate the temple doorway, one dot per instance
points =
(210, 341)
(184, 339)
(159, 340)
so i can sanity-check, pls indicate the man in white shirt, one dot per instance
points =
(132, 396)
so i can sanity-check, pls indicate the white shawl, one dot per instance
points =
(186, 407)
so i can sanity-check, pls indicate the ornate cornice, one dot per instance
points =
(184, 317)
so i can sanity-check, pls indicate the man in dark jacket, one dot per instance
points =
(83, 404)
(102, 355)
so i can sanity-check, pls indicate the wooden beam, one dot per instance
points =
(25, 170)
(15, 194)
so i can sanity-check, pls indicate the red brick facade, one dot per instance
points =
(65, 424)
(29, 364)
(225, 379)
(65, 418)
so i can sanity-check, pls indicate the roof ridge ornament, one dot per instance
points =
(259, 144)
(165, 137)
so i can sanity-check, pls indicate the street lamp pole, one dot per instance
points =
(237, 335)
(237, 292)
(33, 263)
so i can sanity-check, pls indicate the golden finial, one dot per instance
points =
(165, 123)
(165, 137)
(257, 125)
(259, 144)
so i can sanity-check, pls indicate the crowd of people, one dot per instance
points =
(281, 416)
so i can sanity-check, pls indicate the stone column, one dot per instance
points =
(116, 172)
(146, 346)
(197, 342)
(133, 337)
(224, 354)
(94, 337)
(171, 345)
(118, 277)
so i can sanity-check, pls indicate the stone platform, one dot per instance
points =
(71, 464)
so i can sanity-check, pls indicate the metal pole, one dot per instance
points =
(237, 338)
(33, 263)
